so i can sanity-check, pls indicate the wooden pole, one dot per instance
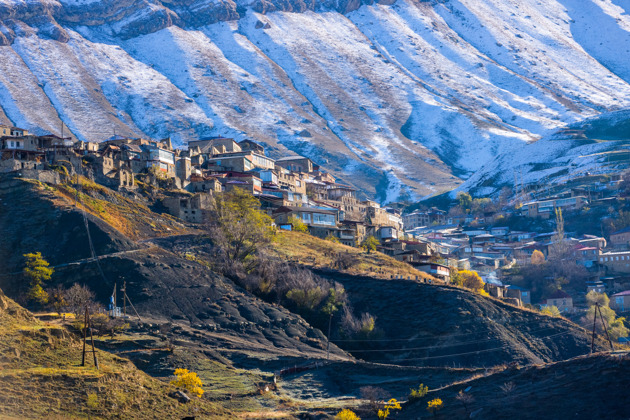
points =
(92, 339)
(132, 307)
(85, 326)
(594, 321)
(328, 338)
(605, 328)
(124, 290)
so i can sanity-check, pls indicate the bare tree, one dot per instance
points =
(508, 388)
(465, 398)
(78, 297)
(374, 396)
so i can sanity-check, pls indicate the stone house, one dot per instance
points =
(620, 237)
(352, 232)
(440, 271)
(204, 183)
(251, 146)
(229, 163)
(193, 209)
(183, 171)
(522, 294)
(320, 221)
(424, 218)
(297, 164)
(615, 262)
(561, 300)
(290, 180)
(620, 302)
(7, 130)
(546, 208)
(215, 145)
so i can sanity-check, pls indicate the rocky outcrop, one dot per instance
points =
(130, 18)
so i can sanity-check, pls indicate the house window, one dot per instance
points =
(617, 258)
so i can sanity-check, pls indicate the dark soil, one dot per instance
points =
(594, 387)
(430, 325)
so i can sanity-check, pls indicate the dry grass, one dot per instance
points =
(318, 253)
(130, 217)
(41, 377)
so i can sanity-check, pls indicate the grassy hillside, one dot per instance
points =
(41, 377)
(314, 252)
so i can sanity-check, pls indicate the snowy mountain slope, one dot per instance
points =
(398, 99)
(603, 147)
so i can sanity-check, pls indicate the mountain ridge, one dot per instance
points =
(402, 100)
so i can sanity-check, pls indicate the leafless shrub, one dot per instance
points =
(343, 261)
(508, 388)
(77, 298)
(465, 398)
(374, 396)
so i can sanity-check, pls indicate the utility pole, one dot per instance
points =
(131, 304)
(594, 321)
(605, 327)
(124, 290)
(88, 324)
(328, 337)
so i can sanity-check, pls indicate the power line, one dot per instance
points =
(457, 354)
(516, 325)
(451, 345)
(86, 223)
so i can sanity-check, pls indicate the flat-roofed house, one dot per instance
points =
(320, 221)
(620, 237)
(561, 300)
(545, 208)
(620, 302)
(297, 164)
(615, 262)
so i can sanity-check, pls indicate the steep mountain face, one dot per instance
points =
(399, 99)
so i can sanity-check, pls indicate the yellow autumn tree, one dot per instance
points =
(370, 243)
(392, 404)
(537, 258)
(297, 224)
(332, 238)
(189, 381)
(346, 414)
(471, 280)
(434, 405)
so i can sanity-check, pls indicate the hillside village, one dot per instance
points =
(491, 239)
(292, 186)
